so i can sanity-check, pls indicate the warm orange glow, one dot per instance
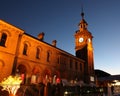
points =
(11, 84)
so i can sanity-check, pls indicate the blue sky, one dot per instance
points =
(59, 19)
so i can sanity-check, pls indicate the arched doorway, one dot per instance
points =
(36, 75)
(21, 70)
(47, 76)
(56, 77)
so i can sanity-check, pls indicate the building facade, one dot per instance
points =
(38, 61)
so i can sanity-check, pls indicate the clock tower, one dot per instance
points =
(84, 49)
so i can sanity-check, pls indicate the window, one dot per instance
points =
(81, 26)
(80, 67)
(58, 59)
(3, 39)
(71, 63)
(25, 49)
(76, 65)
(48, 56)
(38, 53)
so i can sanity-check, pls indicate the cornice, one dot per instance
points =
(6, 26)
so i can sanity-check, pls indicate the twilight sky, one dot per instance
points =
(59, 19)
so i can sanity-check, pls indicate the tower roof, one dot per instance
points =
(83, 24)
(82, 20)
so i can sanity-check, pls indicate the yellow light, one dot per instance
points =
(11, 84)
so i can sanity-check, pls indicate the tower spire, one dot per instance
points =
(82, 13)
(83, 24)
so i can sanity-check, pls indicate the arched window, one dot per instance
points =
(48, 56)
(25, 49)
(38, 53)
(21, 70)
(71, 65)
(81, 67)
(3, 39)
(76, 65)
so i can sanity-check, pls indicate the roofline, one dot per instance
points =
(54, 47)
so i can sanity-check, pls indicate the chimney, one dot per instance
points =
(41, 36)
(54, 43)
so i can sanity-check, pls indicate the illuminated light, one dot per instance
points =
(54, 79)
(33, 79)
(101, 90)
(22, 76)
(66, 92)
(116, 82)
(58, 80)
(11, 84)
(71, 81)
(92, 78)
(89, 40)
(88, 91)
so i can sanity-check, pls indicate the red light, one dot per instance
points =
(58, 80)
(22, 76)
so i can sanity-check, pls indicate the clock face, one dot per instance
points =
(81, 39)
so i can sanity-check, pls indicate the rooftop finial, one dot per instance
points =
(82, 13)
